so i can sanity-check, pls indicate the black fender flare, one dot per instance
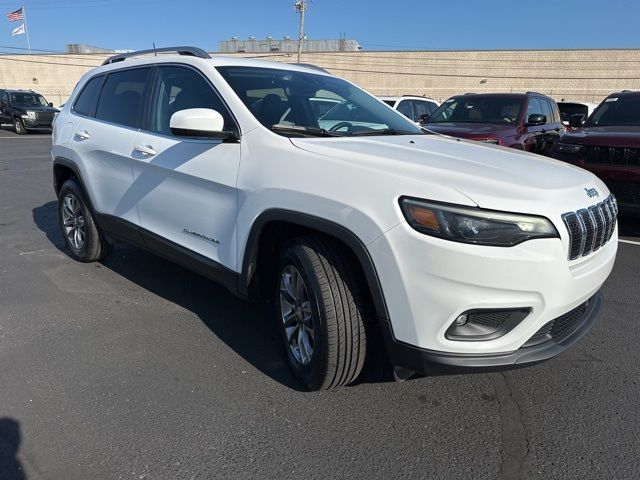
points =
(320, 224)
(65, 162)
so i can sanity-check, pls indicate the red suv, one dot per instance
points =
(608, 144)
(527, 121)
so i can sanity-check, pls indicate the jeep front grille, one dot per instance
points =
(590, 228)
(621, 156)
(44, 116)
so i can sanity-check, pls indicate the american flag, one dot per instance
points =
(16, 16)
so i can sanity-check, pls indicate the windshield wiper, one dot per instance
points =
(301, 130)
(382, 131)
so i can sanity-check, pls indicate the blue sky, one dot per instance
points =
(376, 24)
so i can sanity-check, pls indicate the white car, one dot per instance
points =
(567, 109)
(461, 253)
(415, 108)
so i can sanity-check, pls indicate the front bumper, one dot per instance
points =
(428, 282)
(426, 361)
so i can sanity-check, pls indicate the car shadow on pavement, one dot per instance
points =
(248, 329)
(10, 466)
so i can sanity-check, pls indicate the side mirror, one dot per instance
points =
(424, 118)
(576, 120)
(199, 122)
(50, 104)
(536, 119)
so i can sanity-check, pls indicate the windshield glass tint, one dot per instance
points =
(476, 109)
(307, 100)
(624, 110)
(28, 99)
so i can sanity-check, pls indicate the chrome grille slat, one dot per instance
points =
(590, 228)
(598, 219)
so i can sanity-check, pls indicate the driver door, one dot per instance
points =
(186, 186)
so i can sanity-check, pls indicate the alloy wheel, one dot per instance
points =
(297, 318)
(73, 221)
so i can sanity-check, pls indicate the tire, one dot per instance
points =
(81, 234)
(330, 302)
(18, 125)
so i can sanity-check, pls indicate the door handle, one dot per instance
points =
(82, 135)
(146, 150)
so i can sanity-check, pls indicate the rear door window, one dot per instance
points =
(421, 107)
(546, 110)
(555, 114)
(404, 107)
(122, 95)
(88, 96)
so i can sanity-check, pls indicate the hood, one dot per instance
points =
(492, 177)
(612, 136)
(469, 130)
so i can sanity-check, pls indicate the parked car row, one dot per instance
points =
(604, 139)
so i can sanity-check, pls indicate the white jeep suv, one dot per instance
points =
(463, 254)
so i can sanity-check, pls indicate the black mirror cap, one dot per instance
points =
(222, 135)
(424, 118)
(576, 120)
(50, 104)
(536, 119)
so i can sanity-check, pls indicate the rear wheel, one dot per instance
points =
(81, 235)
(321, 313)
(19, 126)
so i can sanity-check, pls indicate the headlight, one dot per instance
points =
(31, 114)
(570, 148)
(493, 141)
(474, 225)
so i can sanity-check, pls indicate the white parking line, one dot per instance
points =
(629, 241)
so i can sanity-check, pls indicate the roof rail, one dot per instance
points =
(534, 93)
(189, 51)
(311, 66)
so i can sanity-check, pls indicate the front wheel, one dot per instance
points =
(19, 126)
(321, 313)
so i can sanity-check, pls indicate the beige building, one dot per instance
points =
(587, 75)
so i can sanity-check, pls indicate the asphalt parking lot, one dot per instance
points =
(137, 368)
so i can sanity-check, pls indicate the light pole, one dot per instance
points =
(301, 7)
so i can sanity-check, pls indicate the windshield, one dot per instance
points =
(624, 110)
(478, 109)
(313, 104)
(28, 99)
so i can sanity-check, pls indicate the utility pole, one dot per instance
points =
(301, 7)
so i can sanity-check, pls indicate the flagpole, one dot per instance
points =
(26, 28)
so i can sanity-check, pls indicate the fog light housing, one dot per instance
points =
(485, 324)
(461, 320)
